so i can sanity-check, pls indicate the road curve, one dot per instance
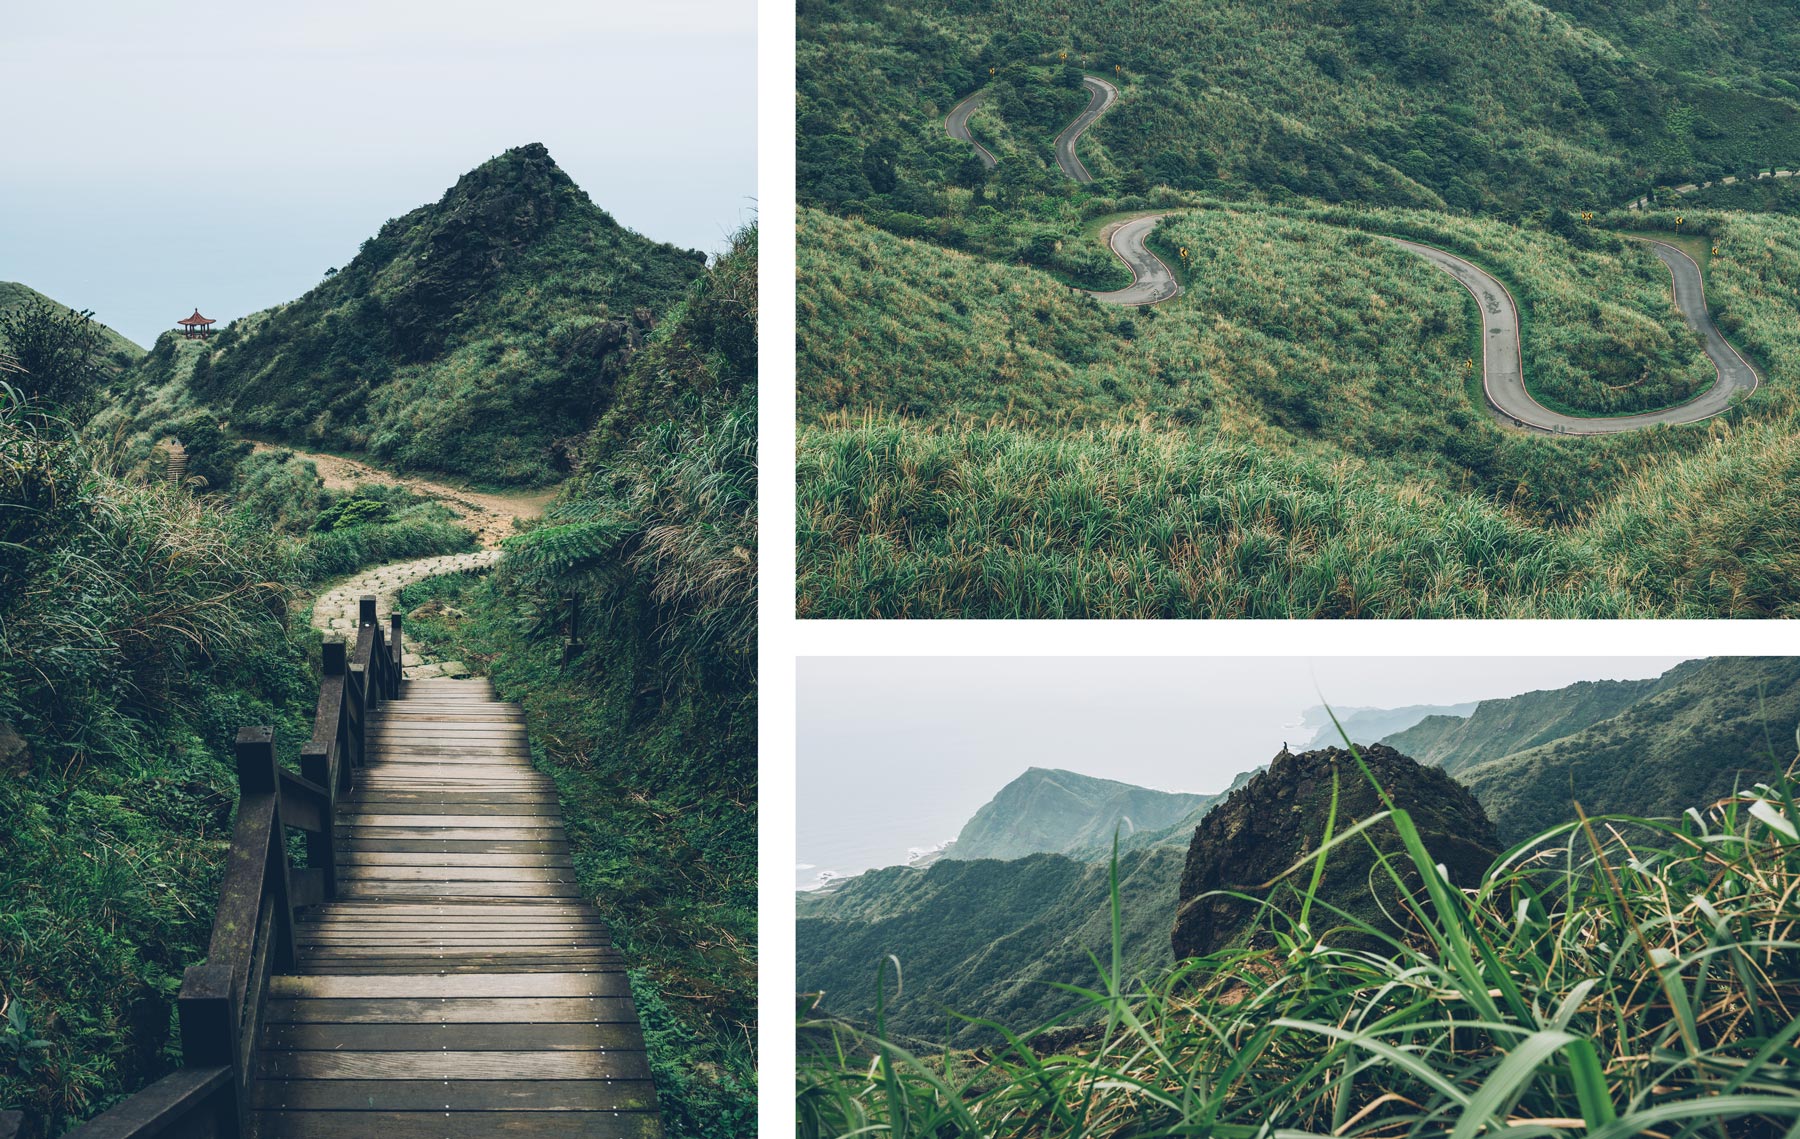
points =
(1152, 281)
(957, 124)
(1502, 373)
(1101, 96)
(1502, 364)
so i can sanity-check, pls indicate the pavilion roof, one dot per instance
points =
(196, 319)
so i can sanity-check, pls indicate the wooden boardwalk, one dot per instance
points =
(458, 985)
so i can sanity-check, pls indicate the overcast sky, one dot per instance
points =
(159, 157)
(908, 748)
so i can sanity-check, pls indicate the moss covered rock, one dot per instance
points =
(1251, 839)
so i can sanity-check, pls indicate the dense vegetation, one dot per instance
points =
(986, 937)
(479, 335)
(935, 302)
(116, 350)
(649, 727)
(1395, 102)
(140, 627)
(1640, 976)
(141, 624)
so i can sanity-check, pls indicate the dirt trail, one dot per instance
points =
(489, 516)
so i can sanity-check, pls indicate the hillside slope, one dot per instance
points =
(984, 935)
(1500, 727)
(1706, 728)
(964, 931)
(120, 352)
(1366, 100)
(477, 335)
(1047, 811)
(1369, 725)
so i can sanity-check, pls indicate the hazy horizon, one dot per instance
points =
(899, 752)
(170, 164)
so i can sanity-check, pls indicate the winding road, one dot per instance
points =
(1503, 377)
(1101, 96)
(957, 124)
(1152, 281)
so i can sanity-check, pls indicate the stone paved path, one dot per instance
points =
(334, 613)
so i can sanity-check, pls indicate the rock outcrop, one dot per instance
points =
(1276, 819)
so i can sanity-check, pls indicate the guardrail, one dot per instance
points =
(222, 998)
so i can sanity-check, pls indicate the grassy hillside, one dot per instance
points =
(479, 335)
(1486, 1017)
(986, 936)
(1647, 749)
(935, 299)
(139, 629)
(118, 352)
(1391, 101)
(1310, 400)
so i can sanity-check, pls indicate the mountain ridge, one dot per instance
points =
(480, 334)
(1055, 811)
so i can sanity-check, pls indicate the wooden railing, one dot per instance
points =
(221, 1001)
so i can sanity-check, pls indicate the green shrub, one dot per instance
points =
(353, 511)
(348, 549)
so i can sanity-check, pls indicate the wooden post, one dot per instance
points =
(209, 1036)
(256, 760)
(365, 610)
(321, 846)
(356, 713)
(258, 772)
(396, 655)
(208, 1030)
(332, 695)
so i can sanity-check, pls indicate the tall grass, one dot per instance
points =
(139, 629)
(977, 520)
(1610, 977)
(926, 373)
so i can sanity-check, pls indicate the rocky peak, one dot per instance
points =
(1275, 819)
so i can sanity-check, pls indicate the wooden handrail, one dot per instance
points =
(222, 998)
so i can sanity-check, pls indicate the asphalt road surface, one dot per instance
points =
(1503, 378)
(1151, 279)
(1101, 95)
(957, 123)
